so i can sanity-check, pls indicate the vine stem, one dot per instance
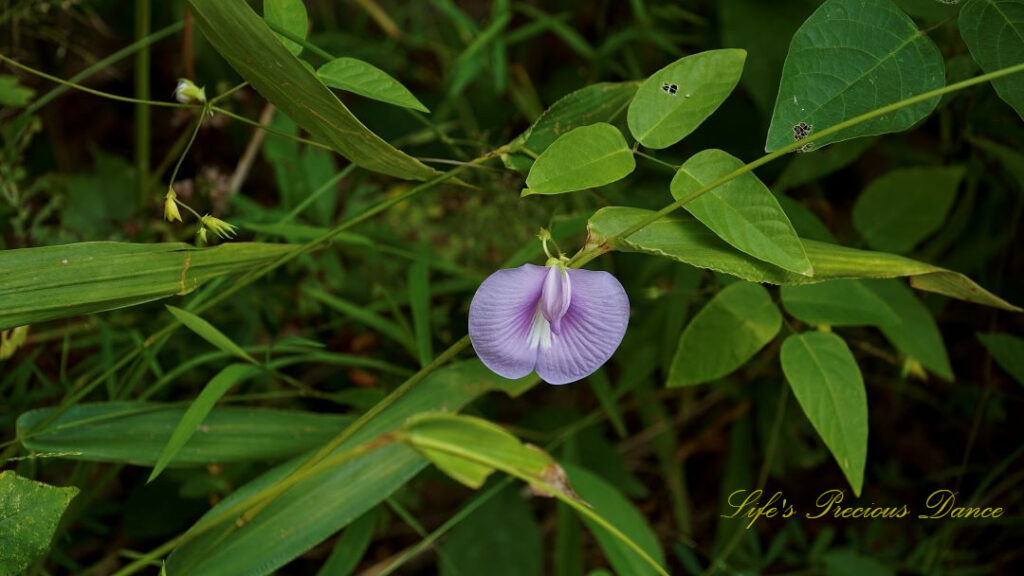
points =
(588, 253)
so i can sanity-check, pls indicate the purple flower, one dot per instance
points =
(563, 323)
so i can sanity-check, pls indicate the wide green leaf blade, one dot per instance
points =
(743, 212)
(252, 49)
(601, 102)
(1008, 350)
(351, 546)
(813, 166)
(419, 303)
(359, 77)
(610, 504)
(209, 332)
(837, 303)
(50, 282)
(500, 538)
(199, 410)
(916, 334)
(827, 383)
(289, 15)
(849, 58)
(585, 157)
(994, 33)
(136, 432)
(684, 239)
(675, 100)
(905, 206)
(29, 514)
(725, 334)
(321, 505)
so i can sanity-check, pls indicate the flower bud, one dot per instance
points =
(187, 92)
(171, 207)
(218, 226)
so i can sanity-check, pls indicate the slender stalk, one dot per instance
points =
(143, 16)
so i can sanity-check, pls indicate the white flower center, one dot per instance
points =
(540, 331)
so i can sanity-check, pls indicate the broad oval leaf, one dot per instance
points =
(743, 212)
(610, 504)
(827, 383)
(905, 206)
(1008, 350)
(50, 282)
(675, 100)
(199, 410)
(136, 432)
(725, 334)
(585, 157)
(994, 33)
(837, 303)
(849, 58)
(31, 512)
(359, 77)
(288, 15)
(209, 332)
(916, 334)
(252, 49)
(684, 239)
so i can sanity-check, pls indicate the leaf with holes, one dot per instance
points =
(994, 33)
(30, 514)
(827, 383)
(849, 58)
(365, 79)
(743, 212)
(586, 157)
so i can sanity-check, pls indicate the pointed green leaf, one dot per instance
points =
(288, 15)
(419, 302)
(51, 282)
(684, 239)
(743, 212)
(849, 58)
(994, 33)
(827, 383)
(252, 49)
(366, 317)
(675, 100)
(725, 334)
(199, 410)
(12, 93)
(135, 432)
(500, 538)
(837, 303)
(29, 514)
(208, 332)
(350, 548)
(586, 157)
(365, 79)
(1008, 351)
(916, 334)
(905, 206)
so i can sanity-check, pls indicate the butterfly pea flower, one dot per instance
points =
(561, 322)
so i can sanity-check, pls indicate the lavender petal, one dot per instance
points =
(500, 319)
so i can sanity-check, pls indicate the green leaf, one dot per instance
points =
(500, 538)
(12, 93)
(366, 317)
(30, 513)
(916, 334)
(849, 58)
(675, 100)
(816, 164)
(136, 432)
(419, 302)
(905, 206)
(209, 332)
(684, 239)
(743, 212)
(611, 505)
(289, 15)
(994, 33)
(837, 303)
(595, 103)
(1008, 350)
(725, 334)
(351, 547)
(354, 75)
(827, 383)
(50, 282)
(585, 157)
(850, 563)
(199, 410)
(321, 505)
(252, 49)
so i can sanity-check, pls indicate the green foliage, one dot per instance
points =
(289, 15)
(358, 77)
(994, 32)
(12, 93)
(848, 58)
(915, 333)
(1008, 350)
(725, 334)
(675, 100)
(585, 157)
(837, 303)
(828, 385)
(31, 511)
(501, 538)
(209, 332)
